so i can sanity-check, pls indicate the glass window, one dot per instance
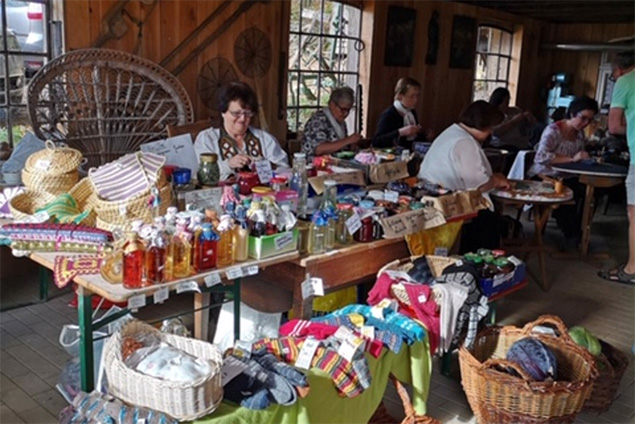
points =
(493, 56)
(323, 55)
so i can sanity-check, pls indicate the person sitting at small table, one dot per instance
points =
(398, 125)
(325, 132)
(456, 161)
(514, 132)
(564, 142)
(237, 143)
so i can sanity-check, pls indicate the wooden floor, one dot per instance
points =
(32, 358)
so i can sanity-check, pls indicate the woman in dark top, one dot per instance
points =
(398, 125)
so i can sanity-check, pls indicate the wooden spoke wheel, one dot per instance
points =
(252, 53)
(214, 74)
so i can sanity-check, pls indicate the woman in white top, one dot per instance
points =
(237, 143)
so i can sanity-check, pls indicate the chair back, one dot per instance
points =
(193, 129)
(105, 103)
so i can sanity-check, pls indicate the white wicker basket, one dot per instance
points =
(183, 401)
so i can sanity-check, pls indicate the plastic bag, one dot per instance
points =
(25, 148)
(254, 325)
(168, 363)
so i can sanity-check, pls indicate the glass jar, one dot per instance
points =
(247, 181)
(208, 171)
(365, 232)
(342, 235)
(278, 183)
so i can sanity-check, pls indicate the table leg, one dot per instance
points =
(541, 215)
(201, 315)
(586, 219)
(236, 294)
(302, 308)
(85, 320)
(44, 277)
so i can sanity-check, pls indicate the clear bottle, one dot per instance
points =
(329, 209)
(182, 251)
(225, 255)
(207, 248)
(132, 261)
(342, 235)
(317, 234)
(257, 220)
(299, 182)
(155, 259)
(241, 235)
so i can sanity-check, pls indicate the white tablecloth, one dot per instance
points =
(518, 171)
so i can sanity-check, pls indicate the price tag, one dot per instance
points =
(349, 346)
(305, 357)
(391, 196)
(502, 278)
(353, 223)
(513, 259)
(187, 286)
(440, 251)
(234, 272)
(263, 168)
(42, 164)
(422, 298)
(368, 331)
(122, 209)
(343, 332)
(136, 302)
(37, 217)
(242, 349)
(312, 287)
(212, 279)
(377, 312)
(388, 303)
(250, 270)
(161, 295)
(459, 263)
(283, 240)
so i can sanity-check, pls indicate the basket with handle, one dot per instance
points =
(53, 160)
(54, 184)
(496, 396)
(381, 415)
(138, 207)
(184, 401)
(611, 365)
(436, 263)
(24, 205)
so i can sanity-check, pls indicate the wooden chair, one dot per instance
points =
(105, 103)
(193, 129)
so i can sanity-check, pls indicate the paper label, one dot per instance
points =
(353, 224)
(343, 332)
(122, 209)
(513, 259)
(37, 217)
(391, 196)
(242, 349)
(234, 272)
(42, 164)
(440, 251)
(232, 367)
(459, 263)
(388, 303)
(212, 279)
(283, 240)
(187, 286)
(377, 312)
(368, 331)
(305, 357)
(161, 295)
(421, 298)
(313, 286)
(136, 302)
(411, 222)
(263, 168)
(250, 270)
(502, 278)
(349, 346)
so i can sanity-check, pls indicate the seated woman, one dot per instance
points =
(564, 142)
(236, 143)
(325, 132)
(398, 125)
(514, 132)
(457, 161)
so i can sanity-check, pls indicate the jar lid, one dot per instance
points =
(209, 157)
(344, 206)
(247, 174)
(261, 190)
(281, 179)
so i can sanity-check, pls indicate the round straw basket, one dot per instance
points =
(53, 160)
(83, 194)
(24, 205)
(611, 365)
(137, 207)
(54, 184)
(436, 263)
(113, 227)
(499, 397)
(183, 401)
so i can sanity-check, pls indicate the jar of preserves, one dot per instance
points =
(365, 233)
(208, 171)
(247, 181)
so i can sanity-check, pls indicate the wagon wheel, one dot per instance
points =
(252, 53)
(214, 74)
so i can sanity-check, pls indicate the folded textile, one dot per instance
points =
(55, 232)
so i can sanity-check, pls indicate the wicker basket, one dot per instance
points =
(436, 263)
(611, 365)
(138, 207)
(24, 205)
(54, 184)
(113, 227)
(381, 415)
(53, 160)
(498, 397)
(183, 401)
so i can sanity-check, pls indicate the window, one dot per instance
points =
(324, 51)
(493, 60)
(24, 48)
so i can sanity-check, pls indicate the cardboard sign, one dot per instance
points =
(352, 177)
(411, 222)
(177, 151)
(387, 172)
(457, 204)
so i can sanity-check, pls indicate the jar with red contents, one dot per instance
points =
(247, 181)
(366, 231)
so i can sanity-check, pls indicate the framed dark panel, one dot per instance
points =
(463, 42)
(400, 34)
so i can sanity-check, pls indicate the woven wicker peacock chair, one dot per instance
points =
(105, 103)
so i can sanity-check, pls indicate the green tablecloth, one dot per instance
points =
(323, 405)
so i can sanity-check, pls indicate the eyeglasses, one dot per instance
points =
(344, 109)
(585, 118)
(239, 113)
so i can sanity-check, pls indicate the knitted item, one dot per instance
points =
(391, 340)
(66, 268)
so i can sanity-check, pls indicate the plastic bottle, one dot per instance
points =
(225, 255)
(300, 183)
(132, 261)
(207, 248)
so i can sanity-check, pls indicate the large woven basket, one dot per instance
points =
(436, 263)
(24, 205)
(611, 365)
(54, 184)
(138, 207)
(499, 397)
(183, 401)
(53, 160)
(381, 415)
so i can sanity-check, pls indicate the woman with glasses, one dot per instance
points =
(398, 125)
(564, 142)
(237, 143)
(325, 132)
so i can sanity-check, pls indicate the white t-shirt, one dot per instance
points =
(456, 161)
(207, 142)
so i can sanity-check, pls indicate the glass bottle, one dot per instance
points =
(299, 182)
(182, 251)
(225, 255)
(257, 220)
(241, 235)
(208, 171)
(132, 261)
(155, 259)
(342, 235)
(329, 209)
(317, 234)
(207, 248)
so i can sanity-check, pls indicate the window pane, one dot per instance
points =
(333, 18)
(353, 21)
(309, 51)
(294, 20)
(495, 41)
(303, 115)
(292, 117)
(503, 68)
(506, 47)
(483, 40)
(308, 89)
(311, 17)
(292, 92)
(294, 51)
(483, 89)
(329, 58)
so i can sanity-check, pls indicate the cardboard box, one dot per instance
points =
(276, 244)
(411, 222)
(458, 204)
(380, 173)
(348, 176)
(503, 282)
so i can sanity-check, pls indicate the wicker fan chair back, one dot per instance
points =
(105, 103)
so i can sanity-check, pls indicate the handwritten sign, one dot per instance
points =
(177, 151)
(250, 270)
(283, 240)
(387, 172)
(312, 287)
(411, 222)
(263, 168)
(353, 223)
(208, 198)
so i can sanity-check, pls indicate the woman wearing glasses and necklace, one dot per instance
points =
(325, 132)
(237, 143)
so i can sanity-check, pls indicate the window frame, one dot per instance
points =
(509, 56)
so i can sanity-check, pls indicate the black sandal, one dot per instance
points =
(618, 275)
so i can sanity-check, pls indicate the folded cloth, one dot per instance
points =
(278, 387)
(248, 391)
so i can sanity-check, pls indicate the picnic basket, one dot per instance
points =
(498, 397)
(183, 401)
(611, 365)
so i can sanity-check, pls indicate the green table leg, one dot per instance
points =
(236, 295)
(84, 311)
(446, 364)
(492, 313)
(44, 276)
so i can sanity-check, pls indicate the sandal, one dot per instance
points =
(618, 275)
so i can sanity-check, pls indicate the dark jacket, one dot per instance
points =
(387, 134)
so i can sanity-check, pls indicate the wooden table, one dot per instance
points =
(95, 284)
(592, 175)
(542, 209)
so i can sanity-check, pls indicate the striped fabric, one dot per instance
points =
(152, 164)
(64, 210)
(126, 177)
